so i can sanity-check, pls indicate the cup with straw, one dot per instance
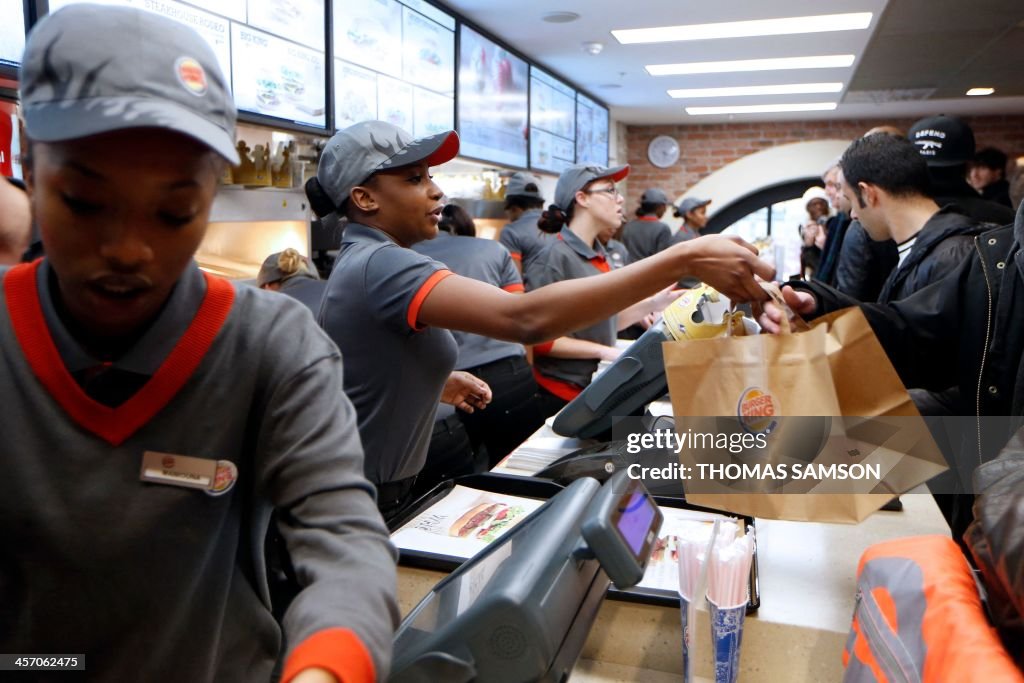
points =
(728, 575)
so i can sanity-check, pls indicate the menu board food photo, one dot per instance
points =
(299, 20)
(493, 103)
(369, 33)
(552, 122)
(277, 78)
(12, 31)
(355, 92)
(400, 56)
(591, 131)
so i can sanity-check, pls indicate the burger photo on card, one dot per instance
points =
(486, 521)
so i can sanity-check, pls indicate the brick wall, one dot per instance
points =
(705, 148)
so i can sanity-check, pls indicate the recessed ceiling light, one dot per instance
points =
(560, 17)
(739, 91)
(761, 108)
(593, 47)
(820, 62)
(742, 29)
(974, 92)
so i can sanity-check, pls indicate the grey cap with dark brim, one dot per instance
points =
(575, 178)
(690, 203)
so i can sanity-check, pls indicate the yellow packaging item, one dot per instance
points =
(702, 313)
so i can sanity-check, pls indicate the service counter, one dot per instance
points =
(807, 587)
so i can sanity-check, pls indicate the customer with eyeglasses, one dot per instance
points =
(389, 308)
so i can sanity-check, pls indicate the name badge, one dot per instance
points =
(213, 476)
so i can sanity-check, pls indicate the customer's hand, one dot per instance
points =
(728, 264)
(660, 301)
(466, 392)
(802, 303)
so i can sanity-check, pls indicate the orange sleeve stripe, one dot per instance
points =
(515, 287)
(516, 256)
(413, 314)
(543, 349)
(337, 650)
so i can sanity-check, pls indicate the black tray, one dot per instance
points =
(542, 489)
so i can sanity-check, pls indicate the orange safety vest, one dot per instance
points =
(919, 617)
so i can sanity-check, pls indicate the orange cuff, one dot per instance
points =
(413, 314)
(516, 256)
(543, 349)
(337, 650)
(515, 287)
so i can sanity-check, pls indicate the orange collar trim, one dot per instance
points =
(113, 425)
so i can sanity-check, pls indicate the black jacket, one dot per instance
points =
(998, 192)
(946, 239)
(966, 329)
(864, 264)
(996, 541)
(949, 187)
(836, 228)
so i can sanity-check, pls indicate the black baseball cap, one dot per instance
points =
(943, 140)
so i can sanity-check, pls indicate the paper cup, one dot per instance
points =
(726, 635)
(684, 615)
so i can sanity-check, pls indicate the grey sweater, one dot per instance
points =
(158, 582)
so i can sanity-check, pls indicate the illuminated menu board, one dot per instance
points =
(591, 131)
(12, 31)
(277, 78)
(493, 102)
(552, 122)
(395, 61)
(271, 51)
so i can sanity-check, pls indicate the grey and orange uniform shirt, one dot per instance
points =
(483, 260)
(568, 258)
(523, 239)
(395, 369)
(645, 236)
(155, 581)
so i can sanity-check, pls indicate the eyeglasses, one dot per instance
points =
(611, 191)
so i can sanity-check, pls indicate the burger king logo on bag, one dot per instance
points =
(191, 75)
(757, 410)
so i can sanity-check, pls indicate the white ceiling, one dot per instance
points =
(917, 58)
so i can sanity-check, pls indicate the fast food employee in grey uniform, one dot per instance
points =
(389, 309)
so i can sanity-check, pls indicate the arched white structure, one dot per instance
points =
(764, 169)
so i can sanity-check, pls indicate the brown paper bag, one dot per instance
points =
(832, 388)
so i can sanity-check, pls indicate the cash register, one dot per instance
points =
(521, 610)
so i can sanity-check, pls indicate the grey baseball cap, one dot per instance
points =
(92, 69)
(690, 203)
(654, 196)
(356, 153)
(575, 178)
(518, 186)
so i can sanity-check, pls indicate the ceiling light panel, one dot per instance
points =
(761, 108)
(745, 29)
(754, 90)
(976, 92)
(777, 64)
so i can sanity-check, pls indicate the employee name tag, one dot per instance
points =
(213, 476)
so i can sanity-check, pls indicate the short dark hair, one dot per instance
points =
(990, 157)
(890, 162)
(456, 220)
(648, 208)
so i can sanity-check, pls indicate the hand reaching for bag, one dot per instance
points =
(801, 303)
(728, 264)
(466, 392)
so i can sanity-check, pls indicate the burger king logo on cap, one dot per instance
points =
(191, 75)
(757, 410)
